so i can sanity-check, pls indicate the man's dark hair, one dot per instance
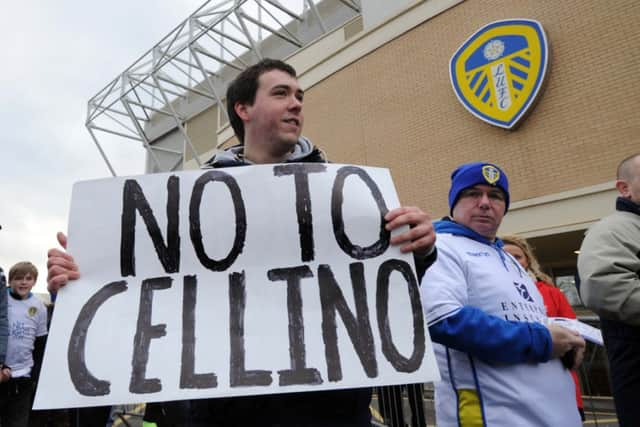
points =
(244, 87)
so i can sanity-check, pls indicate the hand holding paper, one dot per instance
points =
(587, 332)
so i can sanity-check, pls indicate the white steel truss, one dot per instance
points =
(195, 62)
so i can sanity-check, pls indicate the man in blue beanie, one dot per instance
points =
(499, 362)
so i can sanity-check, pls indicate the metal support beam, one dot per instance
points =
(163, 83)
(104, 157)
(145, 141)
(178, 122)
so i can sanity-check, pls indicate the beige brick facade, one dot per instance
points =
(395, 106)
(391, 104)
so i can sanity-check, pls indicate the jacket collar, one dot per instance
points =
(304, 152)
(447, 225)
(626, 205)
(16, 296)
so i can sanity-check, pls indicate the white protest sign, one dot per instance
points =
(237, 281)
(587, 332)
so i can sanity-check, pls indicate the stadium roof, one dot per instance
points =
(194, 63)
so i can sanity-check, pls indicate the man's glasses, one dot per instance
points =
(494, 195)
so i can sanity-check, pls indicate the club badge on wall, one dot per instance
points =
(497, 73)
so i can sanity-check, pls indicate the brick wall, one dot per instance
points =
(395, 107)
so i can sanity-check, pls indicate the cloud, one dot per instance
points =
(56, 56)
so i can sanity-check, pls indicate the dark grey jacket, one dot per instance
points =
(4, 321)
(303, 152)
(335, 408)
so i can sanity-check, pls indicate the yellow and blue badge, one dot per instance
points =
(498, 72)
(491, 174)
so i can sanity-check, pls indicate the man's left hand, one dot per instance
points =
(420, 237)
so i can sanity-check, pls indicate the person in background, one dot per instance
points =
(88, 416)
(27, 334)
(5, 371)
(50, 417)
(609, 268)
(554, 300)
(499, 360)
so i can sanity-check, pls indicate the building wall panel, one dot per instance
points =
(395, 106)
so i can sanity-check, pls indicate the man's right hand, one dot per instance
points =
(565, 340)
(60, 266)
(5, 374)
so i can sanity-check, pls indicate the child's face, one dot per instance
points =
(21, 285)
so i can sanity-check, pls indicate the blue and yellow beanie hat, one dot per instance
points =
(470, 174)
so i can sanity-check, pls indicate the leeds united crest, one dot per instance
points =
(498, 72)
(491, 174)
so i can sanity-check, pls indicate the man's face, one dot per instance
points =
(630, 188)
(21, 285)
(276, 115)
(481, 208)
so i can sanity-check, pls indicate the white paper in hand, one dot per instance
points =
(587, 332)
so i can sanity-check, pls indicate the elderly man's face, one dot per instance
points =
(481, 208)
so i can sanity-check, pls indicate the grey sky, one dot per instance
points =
(55, 56)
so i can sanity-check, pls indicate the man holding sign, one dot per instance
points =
(265, 109)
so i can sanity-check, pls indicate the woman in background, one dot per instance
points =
(554, 300)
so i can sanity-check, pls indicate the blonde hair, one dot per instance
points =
(534, 266)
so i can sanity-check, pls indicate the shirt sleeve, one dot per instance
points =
(443, 287)
(42, 321)
(492, 339)
(608, 265)
(424, 262)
